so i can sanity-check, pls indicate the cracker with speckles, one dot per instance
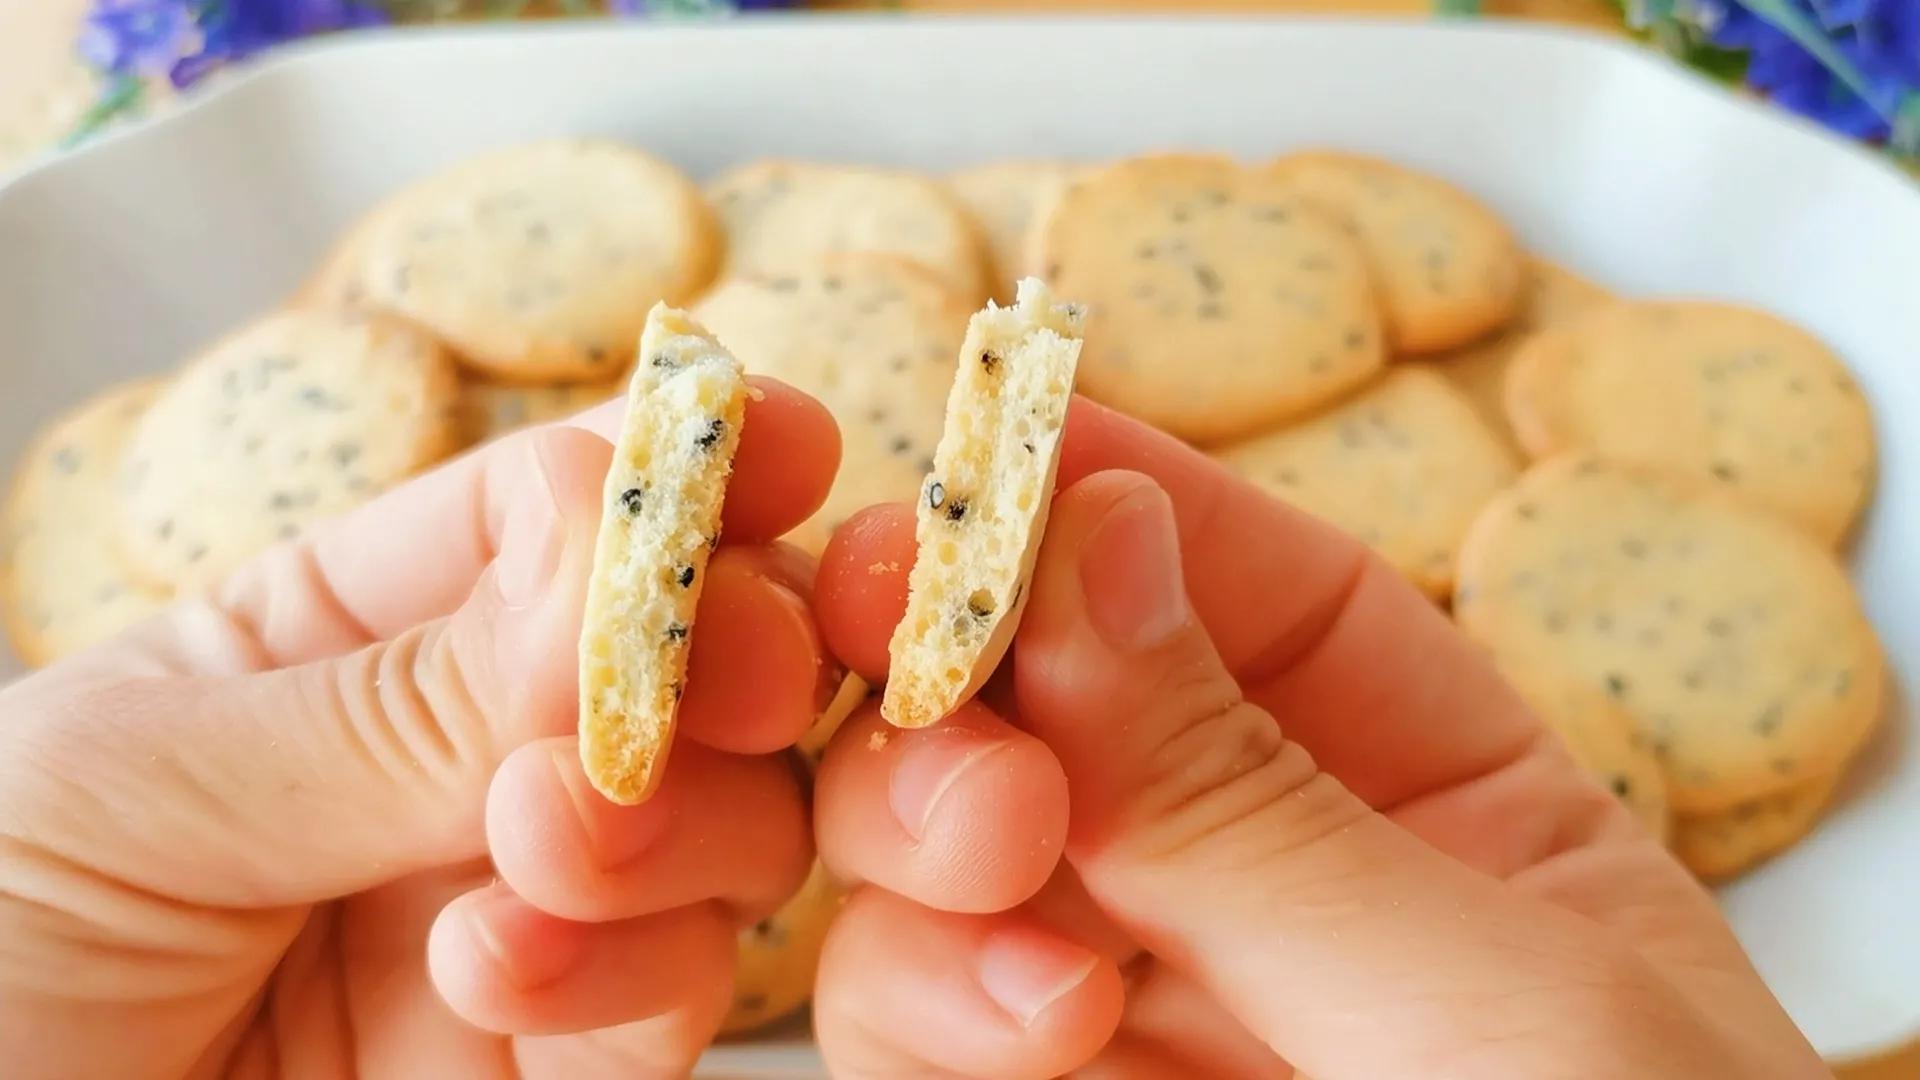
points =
(62, 587)
(488, 410)
(1603, 742)
(1723, 393)
(1220, 303)
(983, 512)
(873, 337)
(780, 217)
(1006, 198)
(538, 263)
(1404, 465)
(779, 955)
(299, 416)
(1734, 642)
(660, 519)
(1447, 268)
(1718, 846)
(1479, 370)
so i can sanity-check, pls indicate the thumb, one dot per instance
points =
(247, 787)
(1345, 942)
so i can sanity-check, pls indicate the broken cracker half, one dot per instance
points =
(660, 519)
(984, 508)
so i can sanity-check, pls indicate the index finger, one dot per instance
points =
(415, 552)
(1360, 669)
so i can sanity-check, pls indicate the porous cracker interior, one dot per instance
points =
(660, 517)
(982, 510)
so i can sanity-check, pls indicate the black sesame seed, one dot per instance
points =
(1052, 270)
(988, 361)
(677, 632)
(318, 397)
(1356, 337)
(1621, 787)
(1616, 684)
(901, 444)
(956, 509)
(1725, 471)
(936, 494)
(1028, 446)
(715, 428)
(630, 500)
(1209, 281)
(596, 354)
(662, 360)
(281, 500)
(686, 576)
(1768, 722)
(1719, 626)
(1181, 214)
(344, 454)
(1526, 511)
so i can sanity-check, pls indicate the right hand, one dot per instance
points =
(1124, 867)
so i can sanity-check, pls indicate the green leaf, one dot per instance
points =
(123, 94)
(1456, 7)
(1906, 127)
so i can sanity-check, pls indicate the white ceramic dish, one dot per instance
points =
(118, 259)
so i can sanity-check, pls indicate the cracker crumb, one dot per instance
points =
(877, 741)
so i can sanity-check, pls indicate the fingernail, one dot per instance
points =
(1131, 575)
(927, 770)
(616, 835)
(1024, 969)
(531, 949)
(534, 540)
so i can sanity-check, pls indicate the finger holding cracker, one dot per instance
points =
(661, 519)
(982, 512)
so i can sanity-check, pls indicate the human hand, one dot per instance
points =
(1247, 804)
(332, 820)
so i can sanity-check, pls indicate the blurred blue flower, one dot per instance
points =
(143, 37)
(1878, 39)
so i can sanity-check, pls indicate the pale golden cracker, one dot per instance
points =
(62, 587)
(1720, 845)
(1729, 395)
(1479, 370)
(1404, 465)
(984, 508)
(780, 217)
(1220, 302)
(1735, 643)
(296, 417)
(1447, 268)
(1007, 199)
(539, 263)
(660, 519)
(871, 336)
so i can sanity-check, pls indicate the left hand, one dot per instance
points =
(331, 820)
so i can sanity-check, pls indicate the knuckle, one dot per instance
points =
(1229, 789)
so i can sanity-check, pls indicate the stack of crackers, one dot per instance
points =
(1635, 505)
